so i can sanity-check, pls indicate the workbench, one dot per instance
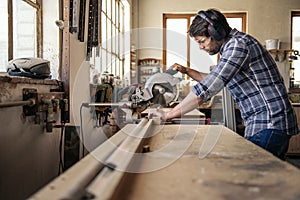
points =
(234, 169)
(178, 164)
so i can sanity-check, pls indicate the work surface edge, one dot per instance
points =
(234, 169)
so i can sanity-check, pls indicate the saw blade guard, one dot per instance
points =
(162, 88)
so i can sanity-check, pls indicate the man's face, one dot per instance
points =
(208, 44)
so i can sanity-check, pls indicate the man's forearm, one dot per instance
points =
(196, 75)
(190, 102)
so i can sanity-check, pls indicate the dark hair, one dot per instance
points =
(199, 26)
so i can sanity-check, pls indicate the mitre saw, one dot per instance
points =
(161, 89)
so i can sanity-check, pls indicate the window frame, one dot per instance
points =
(242, 15)
(291, 85)
(175, 16)
(112, 53)
(37, 5)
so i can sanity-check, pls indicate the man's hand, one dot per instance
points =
(157, 112)
(198, 76)
(179, 68)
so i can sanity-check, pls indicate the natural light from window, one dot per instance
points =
(296, 46)
(4, 35)
(177, 41)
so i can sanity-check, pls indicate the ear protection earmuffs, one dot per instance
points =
(215, 29)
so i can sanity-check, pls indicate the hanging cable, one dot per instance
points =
(60, 149)
(81, 130)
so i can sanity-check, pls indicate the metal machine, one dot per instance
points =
(160, 89)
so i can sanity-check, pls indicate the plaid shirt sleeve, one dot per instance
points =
(234, 56)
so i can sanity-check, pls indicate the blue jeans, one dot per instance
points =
(274, 141)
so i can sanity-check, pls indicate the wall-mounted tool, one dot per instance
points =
(93, 40)
(73, 16)
(81, 26)
(47, 107)
(294, 56)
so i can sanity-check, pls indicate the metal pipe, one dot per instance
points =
(16, 103)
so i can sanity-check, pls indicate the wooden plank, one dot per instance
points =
(235, 169)
(108, 180)
(192, 114)
(72, 183)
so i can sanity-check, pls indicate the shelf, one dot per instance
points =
(280, 55)
(281, 50)
(294, 90)
(150, 62)
(147, 67)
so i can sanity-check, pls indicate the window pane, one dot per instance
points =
(103, 30)
(113, 11)
(103, 60)
(108, 8)
(121, 20)
(296, 46)
(176, 41)
(108, 42)
(3, 35)
(108, 63)
(104, 6)
(121, 44)
(235, 23)
(113, 64)
(117, 13)
(51, 50)
(117, 42)
(24, 27)
(113, 39)
(118, 69)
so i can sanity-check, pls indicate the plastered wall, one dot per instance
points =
(29, 154)
(266, 19)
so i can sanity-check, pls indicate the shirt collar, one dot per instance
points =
(233, 32)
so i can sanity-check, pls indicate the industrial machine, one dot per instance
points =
(161, 89)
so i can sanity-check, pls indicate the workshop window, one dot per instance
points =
(20, 30)
(296, 46)
(110, 56)
(185, 51)
(23, 33)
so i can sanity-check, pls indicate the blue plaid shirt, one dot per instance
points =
(253, 79)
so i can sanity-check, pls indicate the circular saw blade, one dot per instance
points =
(165, 85)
